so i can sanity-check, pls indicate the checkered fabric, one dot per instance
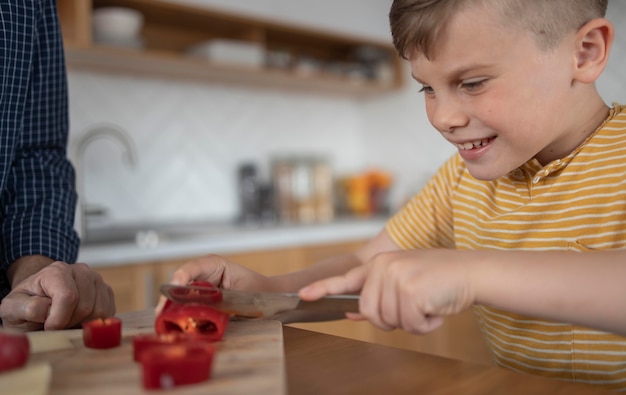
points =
(37, 189)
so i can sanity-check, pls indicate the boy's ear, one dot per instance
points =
(593, 45)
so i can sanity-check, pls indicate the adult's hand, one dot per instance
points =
(57, 296)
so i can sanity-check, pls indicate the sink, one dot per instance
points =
(152, 234)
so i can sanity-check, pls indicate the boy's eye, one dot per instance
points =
(426, 89)
(472, 85)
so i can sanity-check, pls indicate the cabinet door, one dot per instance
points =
(132, 286)
(270, 262)
(316, 253)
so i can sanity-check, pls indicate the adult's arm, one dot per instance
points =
(38, 195)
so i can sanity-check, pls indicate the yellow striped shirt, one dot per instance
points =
(577, 203)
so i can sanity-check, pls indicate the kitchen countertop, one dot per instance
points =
(228, 238)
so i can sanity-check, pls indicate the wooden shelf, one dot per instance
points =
(170, 29)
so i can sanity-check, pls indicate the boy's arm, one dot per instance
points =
(414, 290)
(581, 288)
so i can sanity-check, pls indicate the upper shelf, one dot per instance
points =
(293, 57)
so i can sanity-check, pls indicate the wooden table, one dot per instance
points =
(323, 364)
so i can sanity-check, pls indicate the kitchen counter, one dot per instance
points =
(226, 238)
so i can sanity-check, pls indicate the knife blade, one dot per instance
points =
(257, 304)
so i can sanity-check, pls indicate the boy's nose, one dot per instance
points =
(447, 114)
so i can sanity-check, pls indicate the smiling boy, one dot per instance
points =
(527, 222)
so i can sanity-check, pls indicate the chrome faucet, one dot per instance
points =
(97, 132)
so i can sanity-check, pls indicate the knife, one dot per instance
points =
(257, 304)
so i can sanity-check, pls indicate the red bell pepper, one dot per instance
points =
(14, 349)
(176, 364)
(204, 289)
(102, 333)
(193, 318)
(143, 342)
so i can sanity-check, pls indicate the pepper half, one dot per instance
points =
(146, 341)
(176, 364)
(193, 318)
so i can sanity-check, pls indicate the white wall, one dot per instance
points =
(191, 136)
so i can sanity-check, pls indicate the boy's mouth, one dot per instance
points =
(474, 144)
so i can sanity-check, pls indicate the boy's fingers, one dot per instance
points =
(160, 305)
(348, 283)
(208, 268)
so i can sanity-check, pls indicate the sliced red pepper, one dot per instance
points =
(14, 349)
(102, 333)
(143, 342)
(176, 364)
(205, 289)
(192, 318)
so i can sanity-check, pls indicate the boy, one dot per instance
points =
(527, 223)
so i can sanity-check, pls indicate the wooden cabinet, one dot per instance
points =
(132, 285)
(136, 287)
(171, 28)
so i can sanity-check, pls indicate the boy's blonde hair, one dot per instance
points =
(415, 24)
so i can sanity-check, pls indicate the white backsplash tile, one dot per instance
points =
(191, 138)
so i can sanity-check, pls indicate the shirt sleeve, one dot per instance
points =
(427, 220)
(37, 184)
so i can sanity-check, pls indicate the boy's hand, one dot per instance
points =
(410, 290)
(220, 272)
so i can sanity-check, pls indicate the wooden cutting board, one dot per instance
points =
(249, 360)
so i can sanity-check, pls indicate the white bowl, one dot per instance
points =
(116, 24)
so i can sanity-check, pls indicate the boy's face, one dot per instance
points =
(496, 96)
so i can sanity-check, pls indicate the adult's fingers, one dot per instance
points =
(102, 305)
(57, 282)
(24, 312)
(88, 287)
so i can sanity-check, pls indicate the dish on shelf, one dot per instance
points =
(117, 26)
(230, 51)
